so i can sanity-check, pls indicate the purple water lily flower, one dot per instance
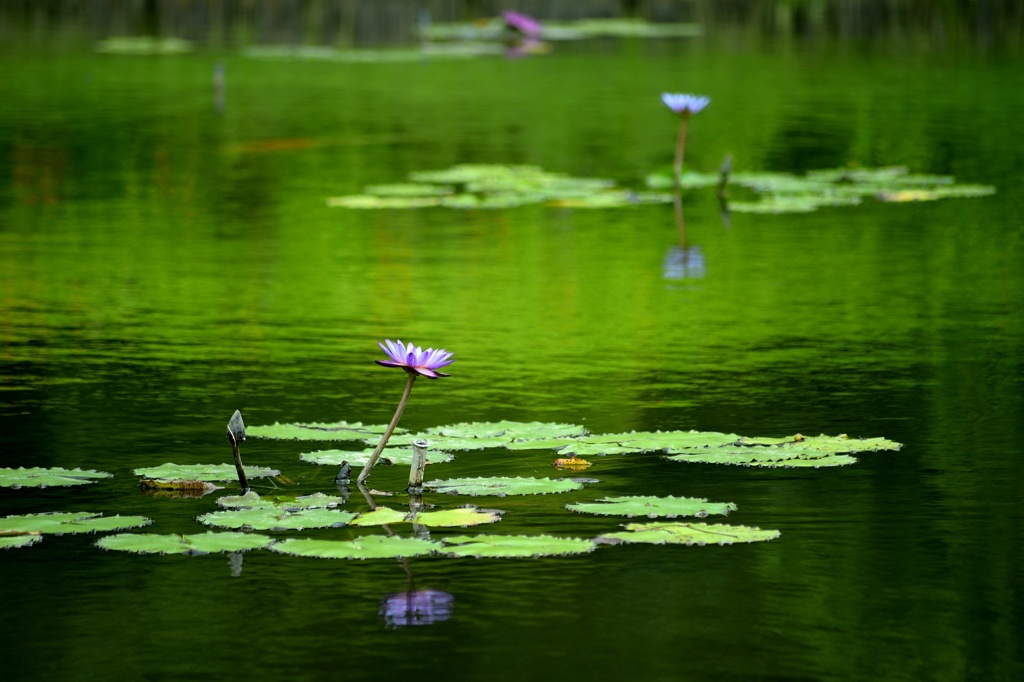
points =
(685, 105)
(518, 21)
(414, 359)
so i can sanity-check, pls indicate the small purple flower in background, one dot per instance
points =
(421, 607)
(685, 105)
(417, 363)
(518, 21)
(414, 359)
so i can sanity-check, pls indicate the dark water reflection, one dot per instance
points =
(165, 264)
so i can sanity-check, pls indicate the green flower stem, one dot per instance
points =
(391, 428)
(680, 150)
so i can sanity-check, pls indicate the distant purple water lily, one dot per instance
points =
(416, 362)
(414, 359)
(684, 106)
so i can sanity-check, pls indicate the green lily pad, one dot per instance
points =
(514, 546)
(409, 189)
(464, 516)
(786, 455)
(199, 543)
(277, 518)
(502, 486)
(59, 523)
(541, 444)
(669, 533)
(38, 477)
(369, 201)
(202, 472)
(957, 192)
(143, 45)
(460, 50)
(366, 547)
(252, 500)
(653, 506)
(24, 540)
(357, 458)
(333, 431)
(446, 443)
(511, 430)
(665, 179)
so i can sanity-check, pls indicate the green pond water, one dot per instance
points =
(168, 256)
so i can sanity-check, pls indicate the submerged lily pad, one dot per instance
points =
(38, 477)
(200, 543)
(202, 472)
(668, 533)
(70, 522)
(318, 431)
(366, 547)
(653, 506)
(464, 516)
(514, 546)
(503, 485)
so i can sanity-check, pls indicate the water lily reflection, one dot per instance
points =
(418, 607)
(683, 263)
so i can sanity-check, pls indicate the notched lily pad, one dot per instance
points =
(286, 503)
(333, 431)
(277, 518)
(786, 455)
(12, 541)
(503, 485)
(653, 507)
(200, 543)
(395, 455)
(464, 516)
(669, 533)
(39, 477)
(514, 546)
(366, 547)
(59, 523)
(202, 472)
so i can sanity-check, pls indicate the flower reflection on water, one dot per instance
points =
(418, 607)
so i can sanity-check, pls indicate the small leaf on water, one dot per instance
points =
(502, 485)
(514, 546)
(200, 543)
(669, 533)
(39, 477)
(286, 503)
(70, 522)
(202, 472)
(653, 506)
(364, 547)
(464, 516)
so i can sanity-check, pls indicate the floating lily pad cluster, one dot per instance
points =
(249, 521)
(708, 447)
(496, 30)
(788, 193)
(495, 186)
